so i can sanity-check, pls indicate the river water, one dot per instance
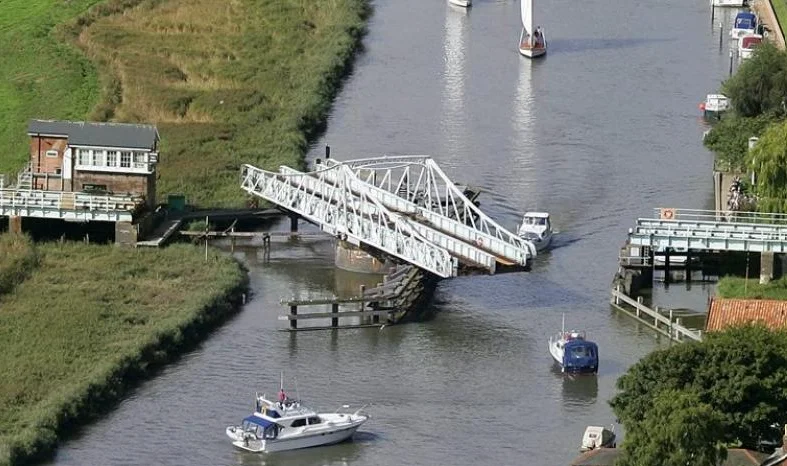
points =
(599, 132)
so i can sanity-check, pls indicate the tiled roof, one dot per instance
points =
(730, 312)
(80, 133)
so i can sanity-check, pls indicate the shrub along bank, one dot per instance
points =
(91, 321)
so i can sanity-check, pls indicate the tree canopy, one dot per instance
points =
(768, 160)
(760, 84)
(679, 429)
(741, 374)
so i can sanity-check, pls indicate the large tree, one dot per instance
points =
(677, 430)
(768, 160)
(740, 373)
(760, 84)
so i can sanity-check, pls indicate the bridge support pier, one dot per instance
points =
(353, 259)
(766, 267)
(293, 223)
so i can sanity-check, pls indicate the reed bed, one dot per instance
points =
(91, 321)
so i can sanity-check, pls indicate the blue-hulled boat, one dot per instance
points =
(574, 352)
(745, 23)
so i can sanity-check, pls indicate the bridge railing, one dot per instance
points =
(665, 213)
(334, 211)
(420, 186)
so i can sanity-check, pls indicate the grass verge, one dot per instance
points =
(18, 258)
(227, 83)
(91, 321)
(737, 287)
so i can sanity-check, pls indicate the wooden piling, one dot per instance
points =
(335, 310)
(294, 313)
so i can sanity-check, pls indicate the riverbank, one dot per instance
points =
(91, 322)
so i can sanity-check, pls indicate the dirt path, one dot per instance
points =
(765, 12)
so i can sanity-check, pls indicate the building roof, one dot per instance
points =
(80, 133)
(607, 457)
(731, 312)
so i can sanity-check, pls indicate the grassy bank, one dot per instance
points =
(40, 76)
(18, 259)
(780, 10)
(737, 287)
(227, 82)
(91, 320)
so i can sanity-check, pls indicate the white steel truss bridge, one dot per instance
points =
(403, 206)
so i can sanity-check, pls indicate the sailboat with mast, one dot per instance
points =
(532, 42)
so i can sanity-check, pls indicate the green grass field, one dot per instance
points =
(88, 319)
(226, 82)
(40, 77)
(780, 8)
(737, 287)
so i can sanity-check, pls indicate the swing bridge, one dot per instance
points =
(401, 207)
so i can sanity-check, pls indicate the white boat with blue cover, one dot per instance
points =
(574, 352)
(745, 23)
(288, 425)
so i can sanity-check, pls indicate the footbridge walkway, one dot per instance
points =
(405, 207)
(702, 230)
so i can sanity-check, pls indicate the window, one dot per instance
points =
(98, 158)
(298, 423)
(314, 420)
(125, 159)
(94, 188)
(139, 160)
(112, 158)
(83, 157)
(51, 153)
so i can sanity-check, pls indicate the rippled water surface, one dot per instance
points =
(603, 129)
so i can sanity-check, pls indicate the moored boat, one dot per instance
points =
(574, 352)
(462, 3)
(746, 45)
(289, 425)
(536, 227)
(745, 23)
(598, 437)
(715, 105)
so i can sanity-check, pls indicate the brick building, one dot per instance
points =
(100, 158)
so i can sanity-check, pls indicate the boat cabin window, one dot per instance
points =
(298, 423)
(582, 352)
(314, 420)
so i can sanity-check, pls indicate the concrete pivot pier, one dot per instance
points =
(353, 259)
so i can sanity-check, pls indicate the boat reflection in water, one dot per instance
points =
(578, 390)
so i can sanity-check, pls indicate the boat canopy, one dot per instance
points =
(259, 421)
(749, 42)
(745, 21)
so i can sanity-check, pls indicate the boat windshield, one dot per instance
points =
(581, 352)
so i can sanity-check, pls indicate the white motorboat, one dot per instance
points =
(746, 45)
(729, 3)
(573, 351)
(536, 227)
(715, 105)
(745, 23)
(598, 437)
(532, 42)
(462, 3)
(289, 425)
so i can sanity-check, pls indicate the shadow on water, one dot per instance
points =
(340, 454)
(578, 390)
(560, 46)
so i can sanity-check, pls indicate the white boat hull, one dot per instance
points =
(532, 53)
(729, 3)
(319, 436)
(462, 3)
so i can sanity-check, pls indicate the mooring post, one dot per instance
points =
(667, 265)
(327, 152)
(335, 311)
(293, 224)
(712, 14)
(671, 334)
(294, 314)
(730, 62)
(688, 265)
(721, 34)
(639, 303)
